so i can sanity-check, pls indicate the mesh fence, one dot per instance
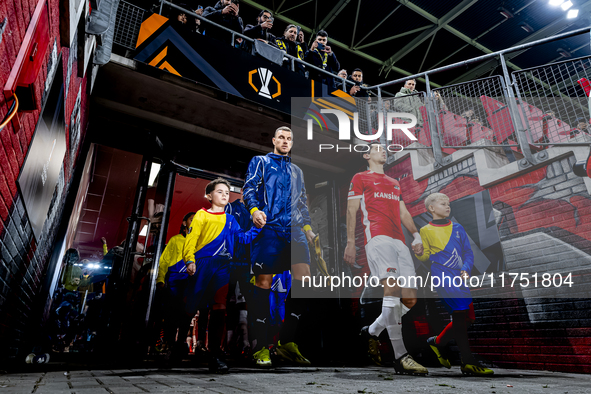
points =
(367, 112)
(127, 24)
(553, 106)
(413, 104)
(470, 112)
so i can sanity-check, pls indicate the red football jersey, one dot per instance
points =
(380, 204)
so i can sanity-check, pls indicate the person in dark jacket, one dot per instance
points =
(357, 78)
(262, 30)
(294, 45)
(224, 13)
(275, 196)
(321, 55)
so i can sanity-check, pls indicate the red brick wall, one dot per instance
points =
(23, 260)
(519, 331)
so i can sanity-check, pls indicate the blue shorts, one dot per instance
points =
(275, 249)
(209, 284)
(176, 279)
(454, 298)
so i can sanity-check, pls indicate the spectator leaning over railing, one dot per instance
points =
(438, 102)
(224, 13)
(294, 45)
(179, 18)
(410, 104)
(321, 55)
(262, 30)
(198, 11)
(357, 78)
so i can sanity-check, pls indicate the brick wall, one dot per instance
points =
(24, 259)
(544, 222)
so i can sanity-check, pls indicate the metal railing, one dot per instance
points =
(526, 111)
(552, 103)
(507, 121)
(292, 59)
(470, 112)
(127, 24)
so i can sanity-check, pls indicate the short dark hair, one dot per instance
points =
(357, 69)
(411, 79)
(282, 128)
(218, 181)
(185, 218)
(370, 147)
(263, 11)
(322, 33)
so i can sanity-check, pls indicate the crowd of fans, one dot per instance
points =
(292, 42)
(320, 54)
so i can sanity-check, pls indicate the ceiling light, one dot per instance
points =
(565, 6)
(505, 12)
(153, 174)
(572, 14)
(526, 27)
(556, 2)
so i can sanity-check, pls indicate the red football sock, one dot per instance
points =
(446, 335)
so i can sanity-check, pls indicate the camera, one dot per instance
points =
(321, 46)
(270, 20)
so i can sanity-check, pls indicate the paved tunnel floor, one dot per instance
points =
(289, 380)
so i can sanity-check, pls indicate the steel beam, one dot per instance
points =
(439, 24)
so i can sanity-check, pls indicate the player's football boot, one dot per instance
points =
(373, 345)
(476, 369)
(442, 360)
(290, 352)
(217, 366)
(406, 364)
(262, 358)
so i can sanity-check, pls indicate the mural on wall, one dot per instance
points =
(72, 59)
(75, 128)
(551, 201)
(52, 63)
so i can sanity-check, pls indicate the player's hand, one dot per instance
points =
(417, 244)
(418, 248)
(191, 269)
(310, 236)
(350, 253)
(227, 10)
(464, 275)
(259, 218)
(328, 50)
